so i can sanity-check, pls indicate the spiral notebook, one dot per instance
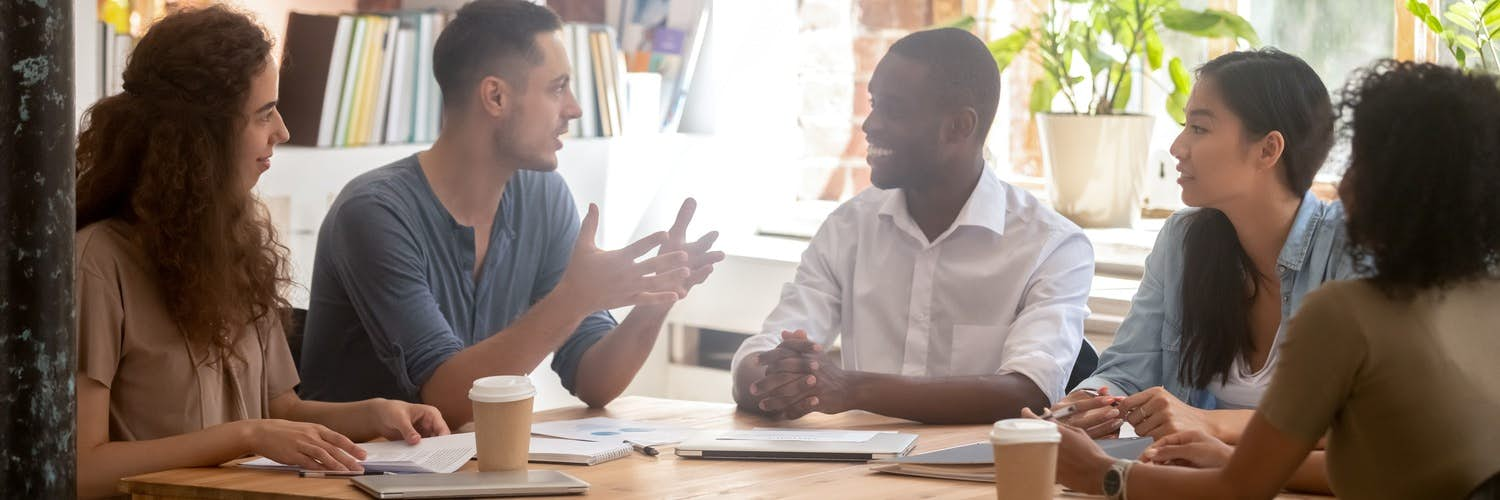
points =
(567, 451)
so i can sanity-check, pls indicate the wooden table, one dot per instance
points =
(638, 476)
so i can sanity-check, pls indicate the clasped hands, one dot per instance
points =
(800, 378)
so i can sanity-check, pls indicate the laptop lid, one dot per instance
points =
(883, 445)
(471, 484)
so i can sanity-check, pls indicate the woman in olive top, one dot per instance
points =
(1397, 370)
(182, 357)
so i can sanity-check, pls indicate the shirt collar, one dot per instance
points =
(1304, 226)
(985, 207)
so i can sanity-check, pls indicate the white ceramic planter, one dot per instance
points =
(1096, 166)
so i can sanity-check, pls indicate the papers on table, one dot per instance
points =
(809, 435)
(441, 454)
(610, 430)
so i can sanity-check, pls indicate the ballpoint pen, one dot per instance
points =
(649, 451)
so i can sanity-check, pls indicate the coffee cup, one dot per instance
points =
(502, 421)
(1025, 458)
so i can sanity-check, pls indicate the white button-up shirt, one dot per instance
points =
(1004, 290)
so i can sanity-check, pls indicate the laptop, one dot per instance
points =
(883, 445)
(472, 484)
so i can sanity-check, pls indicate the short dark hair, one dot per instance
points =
(960, 66)
(488, 36)
(1423, 182)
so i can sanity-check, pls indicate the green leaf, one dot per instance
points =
(1464, 10)
(1155, 49)
(1123, 96)
(1495, 31)
(1468, 43)
(1491, 7)
(1241, 28)
(1492, 18)
(1189, 21)
(1460, 55)
(1460, 20)
(1006, 48)
(1042, 94)
(966, 23)
(1423, 12)
(1209, 23)
(1181, 86)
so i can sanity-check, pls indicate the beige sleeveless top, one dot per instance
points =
(160, 385)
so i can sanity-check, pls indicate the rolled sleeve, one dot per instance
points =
(564, 223)
(811, 302)
(1046, 336)
(1133, 362)
(378, 260)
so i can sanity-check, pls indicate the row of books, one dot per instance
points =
(656, 36)
(360, 79)
(364, 79)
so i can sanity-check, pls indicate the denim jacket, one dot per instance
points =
(1145, 352)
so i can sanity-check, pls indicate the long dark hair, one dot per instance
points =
(1268, 90)
(1429, 136)
(159, 158)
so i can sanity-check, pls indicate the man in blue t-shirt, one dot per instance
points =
(469, 259)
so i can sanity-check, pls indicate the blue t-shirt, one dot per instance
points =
(393, 288)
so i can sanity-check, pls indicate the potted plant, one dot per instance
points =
(1094, 151)
(1469, 33)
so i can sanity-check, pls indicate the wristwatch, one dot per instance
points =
(1114, 479)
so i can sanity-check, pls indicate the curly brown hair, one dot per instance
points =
(1421, 189)
(159, 157)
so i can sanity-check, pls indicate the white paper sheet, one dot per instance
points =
(610, 430)
(442, 454)
(812, 435)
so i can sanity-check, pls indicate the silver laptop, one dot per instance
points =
(472, 484)
(883, 445)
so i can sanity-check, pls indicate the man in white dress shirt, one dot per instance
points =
(959, 298)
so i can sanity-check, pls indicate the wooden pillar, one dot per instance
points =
(37, 322)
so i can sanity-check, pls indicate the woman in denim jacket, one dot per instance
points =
(1199, 344)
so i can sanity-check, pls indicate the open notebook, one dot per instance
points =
(567, 451)
(435, 454)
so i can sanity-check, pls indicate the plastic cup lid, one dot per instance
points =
(501, 389)
(1024, 430)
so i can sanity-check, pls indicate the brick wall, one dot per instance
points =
(845, 39)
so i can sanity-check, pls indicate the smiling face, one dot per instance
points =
(263, 128)
(903, 126)
(530, 129)
(1218, 163)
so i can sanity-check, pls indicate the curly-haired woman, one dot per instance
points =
(182, 357)
(1397, 370)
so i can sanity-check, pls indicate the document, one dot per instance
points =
(610, 430)
(440, 454)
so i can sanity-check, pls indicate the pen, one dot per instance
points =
(1066, 411)
(338, 473)
(649, 451)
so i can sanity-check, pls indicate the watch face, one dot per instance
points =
(1112, 482)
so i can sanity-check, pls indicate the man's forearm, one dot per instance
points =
(516, 350)
(946, 400)
(610, 364)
